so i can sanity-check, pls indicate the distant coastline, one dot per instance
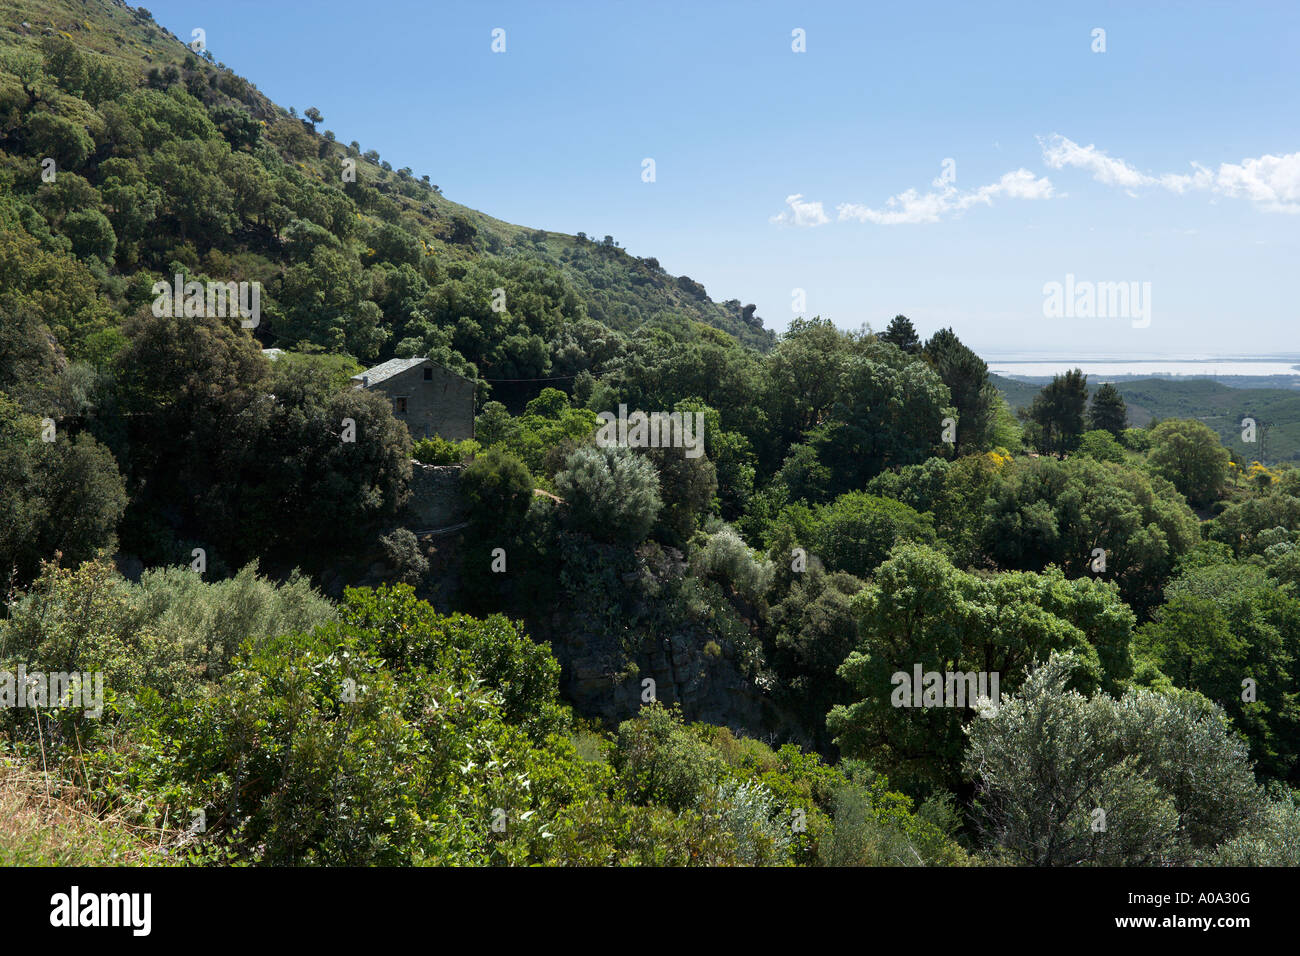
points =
(1029, 366)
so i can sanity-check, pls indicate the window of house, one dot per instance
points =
(399, 406)
(428, 375)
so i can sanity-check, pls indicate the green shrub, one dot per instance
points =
(1274, 840)
(1135, 439)
(402, 553)
(498, 490)
(873, 827)
(725, 557)
(1170, 775)
(1100, 445)
(393, 736)
(610, 493)
(659, 760)
(750, 814)
(440, 451)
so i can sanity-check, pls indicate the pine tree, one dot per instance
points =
(967, 378)
(1056, 418)
(1108, 410)
(902, 334)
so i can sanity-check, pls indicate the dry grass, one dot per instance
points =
(45, 823)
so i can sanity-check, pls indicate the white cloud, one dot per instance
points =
(1059, 152)
(1020, 184)
(906, 207)
(801, 213)
(911, 207)
(1271, 182)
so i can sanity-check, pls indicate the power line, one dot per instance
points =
(554, 378)
(446, 530)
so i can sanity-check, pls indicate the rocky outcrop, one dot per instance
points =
(606, 663)
(703, 676)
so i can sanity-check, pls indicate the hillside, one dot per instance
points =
(1017, 393)
(196, 170)
(1222, 407)
(823, 603)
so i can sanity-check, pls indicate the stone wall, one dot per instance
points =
(436, 501)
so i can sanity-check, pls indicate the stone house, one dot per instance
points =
(430, 399)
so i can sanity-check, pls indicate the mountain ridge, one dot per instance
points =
(276, 214)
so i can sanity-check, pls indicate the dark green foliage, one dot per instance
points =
(1055, 422)
(854, 533)
(1245, 525)
(1099, 445)
(955, 494)
(973, 395)
(888, 411)
(1108, 411)
(381, 731)
(918, 486)
(1227, 631)
(1188, 454)
(815, 629)
(919, 610)
(611, 494)
(62, 497)
(244, 439)
(402, 553)
(1050, 512)
(498, 490)
(91, 234)
(901, 334)
(686, 491)
(59, 138)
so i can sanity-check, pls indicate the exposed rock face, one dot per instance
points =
(686, 669)
(602, 670)
(710, 687)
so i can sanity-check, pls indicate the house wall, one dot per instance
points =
(443, 406)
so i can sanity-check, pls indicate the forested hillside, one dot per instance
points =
(628, 653)
(1222, 407)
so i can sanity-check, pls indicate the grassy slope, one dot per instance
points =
(44, 827)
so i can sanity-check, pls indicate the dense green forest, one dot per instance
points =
(1276, 411)
(628, 655)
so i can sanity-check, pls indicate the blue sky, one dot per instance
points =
(1172, 158)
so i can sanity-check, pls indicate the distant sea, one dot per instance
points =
(1038, 365)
